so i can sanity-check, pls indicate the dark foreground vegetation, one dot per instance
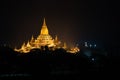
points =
(58, 63)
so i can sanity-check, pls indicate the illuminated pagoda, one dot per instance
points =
(44, 39)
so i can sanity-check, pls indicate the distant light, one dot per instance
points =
(93, 59)
(90, 45)
(86, 44)
(95, 45)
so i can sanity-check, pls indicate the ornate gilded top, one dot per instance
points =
(44, 29)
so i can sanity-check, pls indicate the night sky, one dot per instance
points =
(95, 21)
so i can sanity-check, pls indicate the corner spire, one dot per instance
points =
(56, 38)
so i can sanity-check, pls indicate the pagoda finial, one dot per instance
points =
(44, 29)
(44, 23)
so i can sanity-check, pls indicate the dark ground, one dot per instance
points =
(58, 64)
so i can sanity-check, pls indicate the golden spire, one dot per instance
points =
(32, 38)
(64, 45)
(23, 46)
(44, 29)
(44, 23)
(56, 38)
(15, 48)
(28, 44)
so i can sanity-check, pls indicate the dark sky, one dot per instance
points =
(73, 21)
